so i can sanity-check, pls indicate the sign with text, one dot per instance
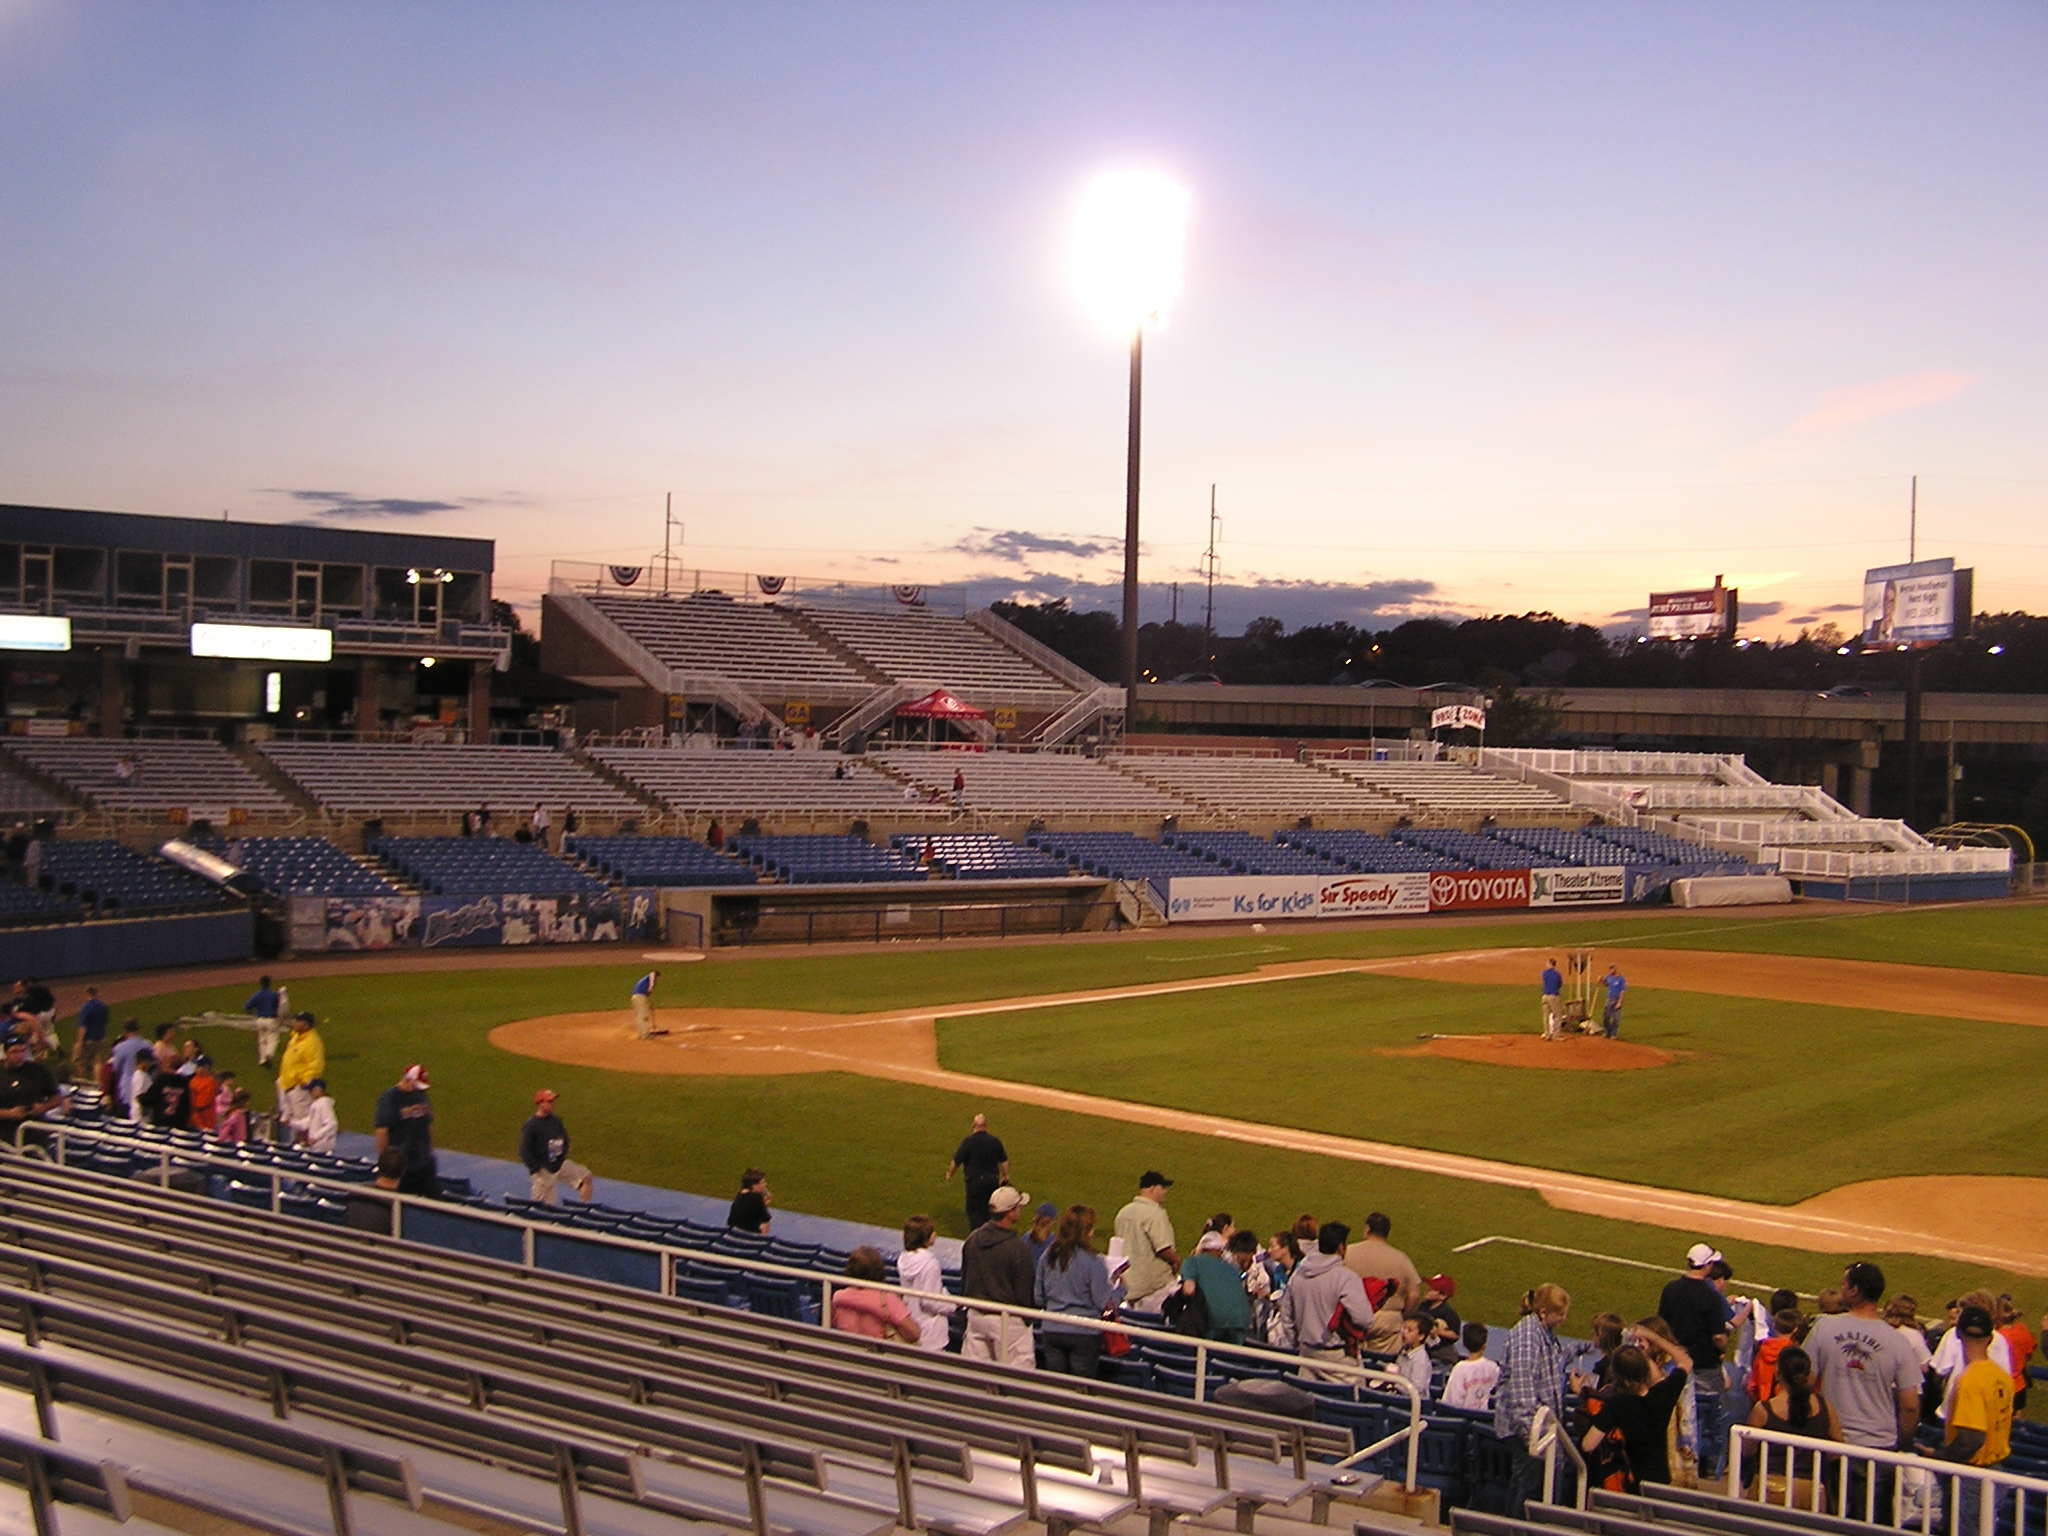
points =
(1457, 717)
(1578, 887)
(1915, 604)
(796, 712)
(1003, 717)
(1260, 898)
(1705, 613)
(1477, 890)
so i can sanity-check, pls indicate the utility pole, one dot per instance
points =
(668, 522)
(1176, 605)
(1913, 669)
(1209, 571)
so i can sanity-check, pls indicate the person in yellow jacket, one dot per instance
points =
(304, 1059)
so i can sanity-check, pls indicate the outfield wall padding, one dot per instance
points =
(128, 944)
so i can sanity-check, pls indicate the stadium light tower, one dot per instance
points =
(1129, 234)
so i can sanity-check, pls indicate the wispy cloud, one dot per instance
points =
(1017, 545)
(1371, 604)
(1859, 403)
(339, 504)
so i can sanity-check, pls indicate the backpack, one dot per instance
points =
(1346, 1332)
(1187, 1314)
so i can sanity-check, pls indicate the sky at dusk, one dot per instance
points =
(1488, 307)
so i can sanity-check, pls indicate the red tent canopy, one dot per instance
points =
(939, 705)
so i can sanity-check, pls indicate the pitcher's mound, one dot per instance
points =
(1571, 1053)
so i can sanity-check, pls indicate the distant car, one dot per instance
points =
(1198, 677)
(1846, 691)
(1381, 682)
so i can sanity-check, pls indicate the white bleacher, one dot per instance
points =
(380, 778)
(526, 1400)
(199, 775)
(1450, 790)
(1059, 786)
(933, 650)
(755, 646)
(19, 796)
(1259, 786)
(730, 783)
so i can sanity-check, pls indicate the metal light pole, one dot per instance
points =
(1131, 532)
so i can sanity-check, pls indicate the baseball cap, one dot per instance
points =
(1974, 1323)
(1700, 1255)
(415, 1076)
(11, 1039)
(1047, 1208)
(1005, 1199)
(1443, 1285)
(545, 1096)
(1152, 1178)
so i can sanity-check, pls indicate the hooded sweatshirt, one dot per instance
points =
(995, 1265)
(1319, 1286)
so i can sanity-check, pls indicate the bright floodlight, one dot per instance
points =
(1126, 254)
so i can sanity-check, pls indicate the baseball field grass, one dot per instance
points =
(874, 1151)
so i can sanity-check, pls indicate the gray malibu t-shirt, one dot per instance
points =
(1861, 1365)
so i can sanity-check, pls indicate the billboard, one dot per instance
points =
(1924, 603)
(1578, 887)
(263, 642)
(1237, 898)
(1457, 717)
(1705, 613)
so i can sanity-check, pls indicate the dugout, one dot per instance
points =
(938, 909)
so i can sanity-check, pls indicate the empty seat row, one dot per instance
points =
(382, 778)
(300, 866)
(148, 775)
(1121, 855)
(918, 647)
(112, 877)
(482, 866)
(807, 860)
(732, 784)
(1033, 784)
(755, 645)
(977, 856)
(1371, 853)
(658, 861)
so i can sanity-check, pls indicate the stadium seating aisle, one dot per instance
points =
(922, 648)
(482, 866)
(379, 778)
(197, 775)
(788, 1414)
(114, 878)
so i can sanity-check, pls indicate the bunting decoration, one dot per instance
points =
(626, 575)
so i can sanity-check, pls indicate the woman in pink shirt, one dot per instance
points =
(872, 1314)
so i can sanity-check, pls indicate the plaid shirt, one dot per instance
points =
(1531, 1377)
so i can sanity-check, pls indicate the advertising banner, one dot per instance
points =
(1578, 887)
(1477, 890)
(1704, 613)
(1457, 717)
(1914, 604)
(1258, 898)
(446, 922)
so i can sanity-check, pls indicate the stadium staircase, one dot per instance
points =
(656, 811)
(285, 785)
(826, 640)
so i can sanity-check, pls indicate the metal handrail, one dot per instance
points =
(1546, 1433)
(1990, 1483)
(668, 1258)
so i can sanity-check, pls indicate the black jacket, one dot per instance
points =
(995, 1265)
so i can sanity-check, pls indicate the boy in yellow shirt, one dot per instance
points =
(1979, 1430)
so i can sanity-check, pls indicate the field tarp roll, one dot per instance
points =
(1731, 891)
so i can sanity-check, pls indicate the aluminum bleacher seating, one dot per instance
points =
(300, 866)
(1371, 853)
(114, 878)
(482, 866)
(541, 1401)
(978, 856)
(1241, 853)
(1031, 784)
(1259, 786)
(1450, 790)
(755, 645)
(370, 778)
(807, 860)
(21, 797)
(1120, 855)
(733, 783)
(920, 648)
(196, 775)
(658, 861)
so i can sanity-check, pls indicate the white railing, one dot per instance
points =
(670, 1259)
(1822, 864)
(1844, 1476)
(681, 580)
(1546, 1435)
(1040, 655)
(1079, 715)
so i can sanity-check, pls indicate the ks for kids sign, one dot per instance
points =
(1241, 898)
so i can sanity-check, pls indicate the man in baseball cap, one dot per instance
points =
(995, 1265)
(1979, 1429)
(405, 1121)
(544, 1148)
(1698, 1315)
(1147, 1232)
